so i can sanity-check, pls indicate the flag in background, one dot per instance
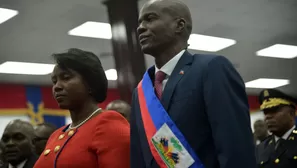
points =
(36, 104)
(12, 100)
(40, 113)
(17, 101)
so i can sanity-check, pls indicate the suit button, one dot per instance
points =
(295, 157)
(57, 148)
(262, 162)
(70, 133)
(61, 136)
(46, 152)
(276, 161)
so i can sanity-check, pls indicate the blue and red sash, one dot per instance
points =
(154, 117)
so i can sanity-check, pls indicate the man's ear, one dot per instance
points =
(292, 112)
(180, 25)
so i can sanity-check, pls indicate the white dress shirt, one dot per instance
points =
(21, 165)
(286, 135)
(169, 66)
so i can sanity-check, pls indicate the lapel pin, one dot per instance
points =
(295, 131)
(181, 72)
(291, 138)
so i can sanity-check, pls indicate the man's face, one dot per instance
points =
(17, 143)
(279, 119)
(42, 134)
(156, 28)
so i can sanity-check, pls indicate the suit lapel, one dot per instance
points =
(178, 72)
(267, 151)
(281, 148)
(151, 72)
(270, 147)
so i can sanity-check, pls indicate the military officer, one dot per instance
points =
(279, 150)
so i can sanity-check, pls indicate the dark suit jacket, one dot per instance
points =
(30, 162)
(209, 105)
(284, 156)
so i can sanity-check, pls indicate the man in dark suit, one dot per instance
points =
(203, 95)
(18, 147)
(42, 133)
(120, 106)
(261, 131)
(280, 149)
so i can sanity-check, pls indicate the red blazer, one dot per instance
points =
(102, 142)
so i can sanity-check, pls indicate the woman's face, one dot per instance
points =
(69, 88)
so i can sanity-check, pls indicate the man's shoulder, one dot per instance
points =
(207, 58)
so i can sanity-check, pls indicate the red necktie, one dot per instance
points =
(159, 77)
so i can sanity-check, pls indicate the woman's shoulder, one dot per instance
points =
(112, 126)
(110, 120)
(111, 114)
(109, 117)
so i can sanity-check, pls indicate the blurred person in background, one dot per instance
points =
(279, 150)
(94, 138)
(42, 133)
(120, 106)
(18, 147)
(3, 163)
(261, 131)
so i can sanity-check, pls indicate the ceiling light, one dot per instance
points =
(266, 83)
(26, 68)
(6, 14)
(93, 30)
(209, 43)
(111, 74)
(279, 51)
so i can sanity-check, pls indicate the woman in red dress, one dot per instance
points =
(94, 139)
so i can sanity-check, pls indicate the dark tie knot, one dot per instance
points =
(160, 76)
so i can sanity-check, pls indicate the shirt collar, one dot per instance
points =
(286, 135)
(21, 165)
(170, 65)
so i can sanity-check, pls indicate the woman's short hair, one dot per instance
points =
(88, 65)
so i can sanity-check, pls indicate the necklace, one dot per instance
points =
(71, 127)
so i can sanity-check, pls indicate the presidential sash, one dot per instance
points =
(167, 144)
